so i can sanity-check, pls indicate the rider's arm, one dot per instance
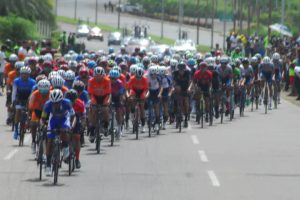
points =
(14, 92)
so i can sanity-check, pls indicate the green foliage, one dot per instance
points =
(17, 28)
(28, 9)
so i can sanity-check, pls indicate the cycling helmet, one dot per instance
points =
(91, 64)
(13, 58)
(52, 75)
(266, 60)
(79, 57)
(48, 57)
(68, 57)
(83, 71)
(25, 70)
(72, 64)
(32, 60)
(133, 69)
(43, 86)
(62, 73)
(19, 65)
(210, 61)
(123, 65)
(188, 55)
(245, 61)
(207, 55)
(224, 60)
(72, 95)
(111, 63)
(56, 95)
(57, 82)
(154, 59)
(117, 68)
(276, 56)
(176, 57)
(181, 66)
(153, 70)
(173, 63)
(119, 59)
(74, 56)
(111, 50)
(191, 62)
(99, 71)
(162, 70)
(133, 60)
(140, 65)
(203, 65)
(78, 86)
(40, 77)
(69, 75)
(254, 59)
(139, 72)
(146, 61)
(258, 56)
(114, 73)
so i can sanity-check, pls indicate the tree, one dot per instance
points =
(28, 9)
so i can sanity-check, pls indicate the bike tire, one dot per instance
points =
(40, 158)
(70, 161)
(22, 133)
(222, 112)
(112, 131)
(97, 140)
(149, 128)
(56, 165)
(136, 130)
(202, 113)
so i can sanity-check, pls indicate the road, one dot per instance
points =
(86, 11)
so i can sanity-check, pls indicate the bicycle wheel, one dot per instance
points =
(56, 163)
(21, 132)
(136, 125)
(266, 100)
(97, 130)
(211, 111)
(222, 112)
(70, 161)
(242, 103)
(112, 132)
(149, 127)
(202, 113)
(275, 98)
(40, 157)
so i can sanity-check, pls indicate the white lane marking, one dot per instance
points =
(203, 156)
(213, 178)
(195, 139)
(11, 154)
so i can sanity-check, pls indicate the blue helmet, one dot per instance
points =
(79, 58)
(111, 50)
(191, 62)
(133, 60)
(91, 64)
(114, 73)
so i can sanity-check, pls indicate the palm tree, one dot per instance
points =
(28, 9)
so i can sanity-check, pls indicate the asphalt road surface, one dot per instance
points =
(253, 157)
(86, 10)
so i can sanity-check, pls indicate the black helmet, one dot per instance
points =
(78, 86)
(245, 61)
(72, 95)
(181, 66)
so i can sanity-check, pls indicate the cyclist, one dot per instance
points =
(35, 105)
(35, 70)
(181, 82)
(202, 81)
(266, 74)
(166, 85)
(61, 116)
(80, 115)
(226, 75)
(247, 78)
(69, 79)
(117, 95)
(22, 87)
(154, 90)
(99, 89)
(137, 88)
(57, 82)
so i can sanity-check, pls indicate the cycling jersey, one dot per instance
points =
(166, 84)
(11, 77)
(277, 70)
(117, 89)
(98, 90)
(138, 87)
(64, 89)
(36, 103)
(154, 89)
(79, 109)
(22, 89)
(203, 77)
(182, 80)
(8, 68)
(84, 96)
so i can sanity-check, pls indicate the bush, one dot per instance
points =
(17, 28)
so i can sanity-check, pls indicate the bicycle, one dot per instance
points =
(266, 96)
(98, 128)
(211, 108)
(178, 112)
(22, 125)
(71, 159)
(151, 119)
(41, 139)
(136, 117)
(231, 104)
(200, 109)
(223, 104)
(242, 100)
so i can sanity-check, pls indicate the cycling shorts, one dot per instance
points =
(153, 96)
(227, 82)
(36, 115)
(266, 76)
(277, 75)
(55, 123)
(204, 88)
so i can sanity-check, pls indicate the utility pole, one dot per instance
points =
(162, 19)
(180, 17)
(270, 18)
(224, 25)
(212, 24)
(56, 7)
(96, 13)
(75, 10)
(119, 14)
(198, 20)
(282, 11)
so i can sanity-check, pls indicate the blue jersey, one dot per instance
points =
(84, 96)
(64, 111)
(22, 89)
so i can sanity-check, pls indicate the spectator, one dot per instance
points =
(2, 64)
(105, 7)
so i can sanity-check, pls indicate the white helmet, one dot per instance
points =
(266, 60)
(62, 73)
(48, 57)
(99, 71)
(19, 65)
(25, 70)
(154, 59)
(153, 70)
(13, 58)
(139, 72)
(57, 82)
(133, 69)
(162, 70)
(43, 85)
(173, 63)
(72, 64)
(276, 56)
(56, 95)
(254, 59)
(69, 75)
(52, 74)
(67, 57)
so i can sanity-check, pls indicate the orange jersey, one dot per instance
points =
(8, 68)
(64, 89)
(11, 77)
(99, 88)
(37, 101)
(137, 84)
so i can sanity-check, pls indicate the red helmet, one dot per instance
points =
(47, 64)
(64, 67)
(203, 65)
(123, 65)
(83, 71)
